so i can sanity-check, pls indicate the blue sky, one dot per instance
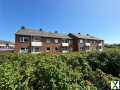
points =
(100, 18)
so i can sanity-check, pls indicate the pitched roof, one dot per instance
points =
(33, 32)
(85, 36)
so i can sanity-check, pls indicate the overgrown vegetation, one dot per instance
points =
(71, 71)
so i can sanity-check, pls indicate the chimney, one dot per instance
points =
(79, 33)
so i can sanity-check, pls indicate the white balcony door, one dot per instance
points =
(36, 50)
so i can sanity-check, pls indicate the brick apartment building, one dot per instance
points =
(39, 41)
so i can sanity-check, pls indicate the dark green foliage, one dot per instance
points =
(71, 71)
(108, 61)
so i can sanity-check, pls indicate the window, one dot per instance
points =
(24, 50)
(36, 39)
(81, 41)
(56, 40)
(24, 39)
(94, 42)
(36, 49)
(7, 45)
(56, 48)
(48, 48)
(64, 48)
(88, 41)
(81, 48)
(70, 41)
(71, 49)
(65, 41)
(87, 48)
(100, 47)
(49, 40)
(99, 41)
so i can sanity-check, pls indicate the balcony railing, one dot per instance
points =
(100, 44)
(65, 44)
(87, 44)
(36, 43)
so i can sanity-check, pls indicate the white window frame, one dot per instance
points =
(22, 39)
(36, 39)
(81, 49)
(65, 41)
(56, 40)
(34, 49)
(49, 41)
(81, 40)
(70, 41)
(24, 51)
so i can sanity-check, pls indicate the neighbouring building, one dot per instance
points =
(86, 42)
(7, 46)
(40, 41)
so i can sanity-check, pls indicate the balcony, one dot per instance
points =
(87, 44)
(36, 43)
(100, 44)
(65, 44)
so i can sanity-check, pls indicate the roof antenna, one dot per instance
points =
(87, 34)
(22, 27)
(56, 31)
(41, 29)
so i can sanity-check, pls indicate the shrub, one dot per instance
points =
(71, 71)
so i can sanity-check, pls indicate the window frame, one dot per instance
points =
(34, 49)
(48, 41)
(81, 41)
(24, 51)
(55, 41)
(22, 39)
(36, 39)
(65, 41)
